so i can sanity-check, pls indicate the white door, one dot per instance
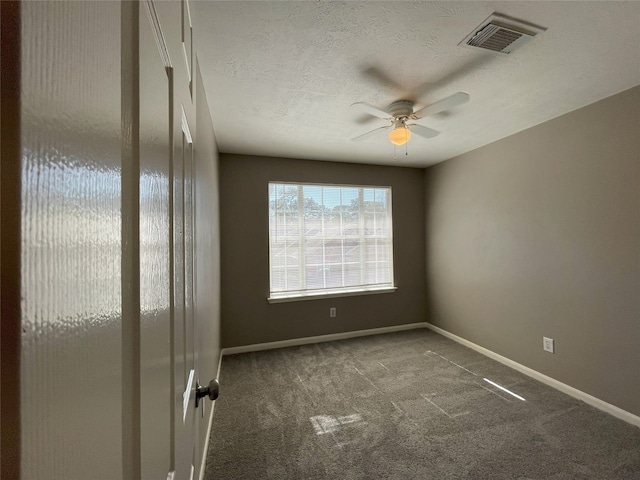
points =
(184, 357)
(155, 260)
(170, 19)
(67, 237)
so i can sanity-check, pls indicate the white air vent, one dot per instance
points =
(502, 34)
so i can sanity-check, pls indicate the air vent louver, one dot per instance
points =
(494, 37)
(501, 34)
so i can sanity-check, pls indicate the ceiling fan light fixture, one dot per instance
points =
(400, 134)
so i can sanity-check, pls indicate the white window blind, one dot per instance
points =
(329, 239)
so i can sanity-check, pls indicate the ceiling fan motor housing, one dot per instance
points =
(401, 108)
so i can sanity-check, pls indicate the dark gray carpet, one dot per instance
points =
(406, 405)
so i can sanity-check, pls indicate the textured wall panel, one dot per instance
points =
(155, 325)
(71, 370)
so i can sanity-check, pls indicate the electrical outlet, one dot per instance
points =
(332, 312)
(547, 344)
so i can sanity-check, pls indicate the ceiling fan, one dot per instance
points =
(401, 111)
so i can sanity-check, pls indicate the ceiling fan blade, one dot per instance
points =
(445, 104)
(381, 78)
(423, 131)
(372, 133)
(371, 110)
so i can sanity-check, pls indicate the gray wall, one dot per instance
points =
(247, 317)
(539, 234)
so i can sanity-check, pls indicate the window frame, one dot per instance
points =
(332, 292)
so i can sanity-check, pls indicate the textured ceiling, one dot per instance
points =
(281, 76)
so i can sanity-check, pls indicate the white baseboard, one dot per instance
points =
(320, 338)
(206, 441)
(563, 387)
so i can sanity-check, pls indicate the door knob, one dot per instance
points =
(210, 390)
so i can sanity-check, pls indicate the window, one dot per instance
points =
(329, 240)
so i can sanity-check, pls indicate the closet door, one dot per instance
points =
(155, 238)
(71, 249)
(184, 359)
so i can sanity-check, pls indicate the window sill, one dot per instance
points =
(317, 296)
